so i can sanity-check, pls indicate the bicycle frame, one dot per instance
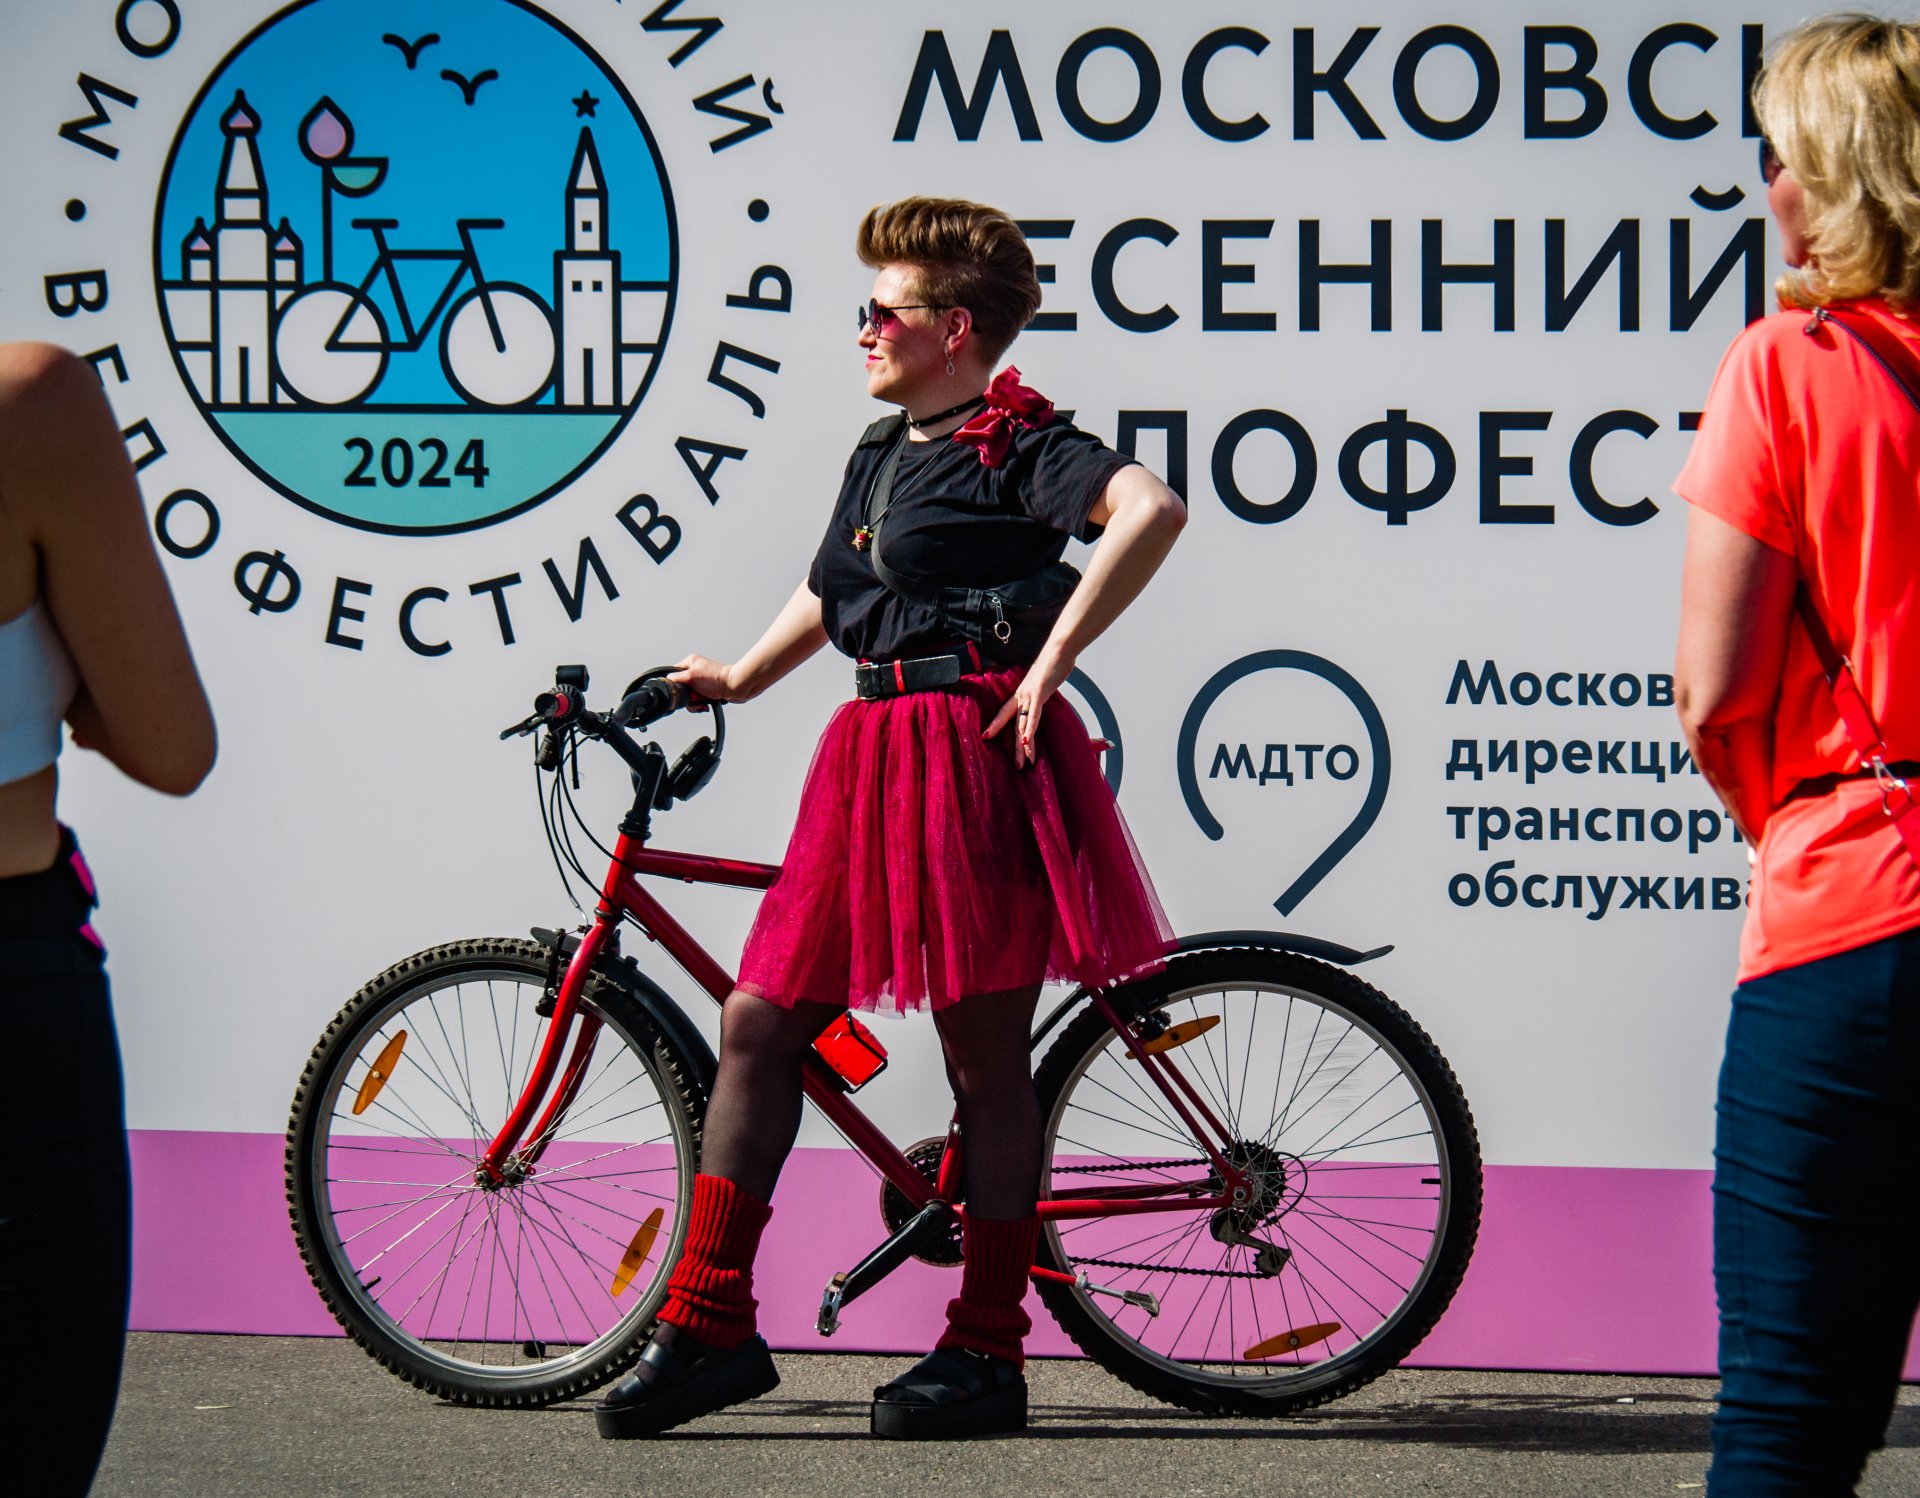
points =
(466, 261)
(621, 896)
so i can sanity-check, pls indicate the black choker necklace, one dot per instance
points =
(917, 422)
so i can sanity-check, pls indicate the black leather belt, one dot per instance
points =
(873, 680)
(1823, 785)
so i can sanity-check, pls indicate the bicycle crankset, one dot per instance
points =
(896, 1211)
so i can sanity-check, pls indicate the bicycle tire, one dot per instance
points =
(393, 1223)
(1367, 1172)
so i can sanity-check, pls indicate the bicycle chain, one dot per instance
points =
(1220, 1274)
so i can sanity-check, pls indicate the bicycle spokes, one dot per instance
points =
(1339, 1166)
(541, 1265)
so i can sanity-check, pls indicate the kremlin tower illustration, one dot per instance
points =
(239, 271)
(608, 328)
(235, 277)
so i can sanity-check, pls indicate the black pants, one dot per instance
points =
(65, 1220)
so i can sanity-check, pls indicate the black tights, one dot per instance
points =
(65, 1234)
(755, 1111)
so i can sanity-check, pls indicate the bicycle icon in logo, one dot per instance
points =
(497, 345)
(415, 264)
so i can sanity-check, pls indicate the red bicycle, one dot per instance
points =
(1262, 1181)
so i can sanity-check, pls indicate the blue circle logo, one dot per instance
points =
(415, 258)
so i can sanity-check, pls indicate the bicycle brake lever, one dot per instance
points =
(522, 728)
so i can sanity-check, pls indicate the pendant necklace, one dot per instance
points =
(863, 535)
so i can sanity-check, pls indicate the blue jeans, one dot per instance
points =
(1815, 1252)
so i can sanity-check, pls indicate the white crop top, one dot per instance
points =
(37, 685)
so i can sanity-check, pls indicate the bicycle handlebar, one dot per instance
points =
(648, 699)
(651, 700)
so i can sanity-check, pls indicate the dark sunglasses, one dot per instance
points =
(1770, 165)
(880, 315)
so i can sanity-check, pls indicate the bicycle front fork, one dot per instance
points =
(500, 1164)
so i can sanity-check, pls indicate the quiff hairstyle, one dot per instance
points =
(1839, 99)
(964, 255)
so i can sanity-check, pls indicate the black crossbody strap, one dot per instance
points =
(1897, 799)
(915, 591)
(986, 616)
(1879, 345)
(882, 431)
(879, 501)
(880, 496)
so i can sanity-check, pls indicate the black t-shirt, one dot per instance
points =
(953, 521)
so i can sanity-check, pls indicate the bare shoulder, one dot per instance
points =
(62, 459)
(38, 372)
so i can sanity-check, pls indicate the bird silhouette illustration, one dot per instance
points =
(469, 86)
(411, 50)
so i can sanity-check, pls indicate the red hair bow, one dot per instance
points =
(1009, 404)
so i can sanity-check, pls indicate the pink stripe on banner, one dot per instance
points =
(212, 1251)
(1578, 1269)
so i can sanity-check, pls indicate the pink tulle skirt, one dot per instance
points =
(925, 868)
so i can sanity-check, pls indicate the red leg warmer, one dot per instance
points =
(988, 1317)
(710, 1295)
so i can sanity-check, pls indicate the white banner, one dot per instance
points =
(1414, 307)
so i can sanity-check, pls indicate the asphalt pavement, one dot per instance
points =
(205, 1416)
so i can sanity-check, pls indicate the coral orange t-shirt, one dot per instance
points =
(1807, 446)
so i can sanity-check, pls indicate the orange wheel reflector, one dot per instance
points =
(1293, 1341)
(1180, 1034)
(382, 1070)
(637, 1251)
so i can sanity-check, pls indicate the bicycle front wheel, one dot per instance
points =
(1365, 1174)
(516, 1292)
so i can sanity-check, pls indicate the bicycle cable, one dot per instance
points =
(571, 814)
(561, 791)
(549, 817)
(586, 829)
(546, 830)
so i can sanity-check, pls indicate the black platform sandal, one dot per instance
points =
(684, 1388)
(951, 1394)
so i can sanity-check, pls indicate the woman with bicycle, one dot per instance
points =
(88, 635)
(1802, 483)
(956, 845)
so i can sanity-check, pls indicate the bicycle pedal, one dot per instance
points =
(1137, 1298)
(828, 1321)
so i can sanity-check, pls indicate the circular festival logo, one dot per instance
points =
(415, 260)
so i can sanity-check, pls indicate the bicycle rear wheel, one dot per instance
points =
(503, 1294)
(1366, 1185)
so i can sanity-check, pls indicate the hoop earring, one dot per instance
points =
(949, 364)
